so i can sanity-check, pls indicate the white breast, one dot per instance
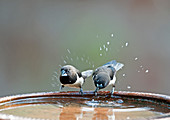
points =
(77, 84)
(112, 82)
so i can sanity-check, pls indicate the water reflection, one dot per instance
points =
(82, 108)
(103, 113)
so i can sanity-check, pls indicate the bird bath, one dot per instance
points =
(71, 105)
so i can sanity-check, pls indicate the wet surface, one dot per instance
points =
(62, 106)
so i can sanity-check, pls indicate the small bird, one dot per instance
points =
(106, 75)
(72, 77)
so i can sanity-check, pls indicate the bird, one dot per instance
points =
(72, 77)
(105, 75)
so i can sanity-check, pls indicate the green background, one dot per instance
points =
(36, 37)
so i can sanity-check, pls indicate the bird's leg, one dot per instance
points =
(113, 89)
(81, 91)
(95, 92)
(61, 87)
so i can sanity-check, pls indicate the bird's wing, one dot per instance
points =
(114, 64)
(87, 73)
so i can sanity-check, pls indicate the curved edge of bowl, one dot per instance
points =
(150, 96)
(153, 96)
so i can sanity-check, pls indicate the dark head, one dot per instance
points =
(68, 74)
(101, 80)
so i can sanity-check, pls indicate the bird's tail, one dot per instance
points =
(115, 64)
(118, 66)
(87, 73)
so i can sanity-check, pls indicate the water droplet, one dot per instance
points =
(100, 54)
(64, 61)
(126, 44)
(141, 66)
(71, 59)
(122, 46)
(146, 71)
(54, 76)
(128, 118)
(82, 58)
(67, 57)
(100, 48)
(68, 51)
(138, 71)
(93, 66)
(128, 87)
(112, 35)
(55, 72)
(106, 49)
(119, 101)
(124, 75)
(77, 58)
(86, 61)
(108, 43)
(136, 58)
(52, 79)
(104, 46)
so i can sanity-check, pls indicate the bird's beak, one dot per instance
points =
(63, 73)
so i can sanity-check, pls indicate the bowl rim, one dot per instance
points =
(144, 95)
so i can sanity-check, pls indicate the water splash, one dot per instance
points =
(60, 66)
(146, 71)
(128, 86)
(136, 58)
(86, 61)
(126, 44)
(65, 62)
(68, 51)
(77, 58)
(128, 118)
(104, 46)
(100, 48)
(112, 35)
(67, 57)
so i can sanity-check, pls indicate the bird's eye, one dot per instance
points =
(67, 70)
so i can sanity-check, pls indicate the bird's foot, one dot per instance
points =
(81, 91)
(112, 91)
(61, 87)
(95, 92)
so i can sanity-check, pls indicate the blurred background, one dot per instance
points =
(38, 37)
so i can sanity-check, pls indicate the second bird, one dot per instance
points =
(106, 75)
